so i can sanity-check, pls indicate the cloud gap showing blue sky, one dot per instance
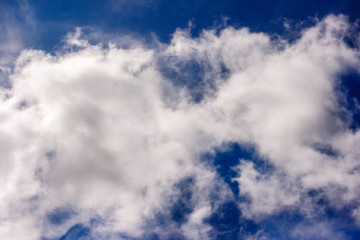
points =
(157, 119)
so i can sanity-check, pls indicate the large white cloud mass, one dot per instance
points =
(105, 133)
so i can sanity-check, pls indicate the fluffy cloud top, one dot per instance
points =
(109, 135)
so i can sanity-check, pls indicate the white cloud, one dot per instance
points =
(73, 39)
(267, 194)
(322, 230)
(103, 131)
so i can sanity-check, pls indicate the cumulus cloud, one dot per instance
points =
(108, 135)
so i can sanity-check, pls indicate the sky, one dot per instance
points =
(182, 120)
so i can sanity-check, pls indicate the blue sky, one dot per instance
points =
(153, 119)
(45, 22)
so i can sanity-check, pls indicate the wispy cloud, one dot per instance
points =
(16, 21)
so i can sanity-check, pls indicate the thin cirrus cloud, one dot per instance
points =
(114, 138)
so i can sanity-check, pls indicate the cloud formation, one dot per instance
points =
(108, 137)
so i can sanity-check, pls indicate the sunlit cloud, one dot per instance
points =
(113, 138)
